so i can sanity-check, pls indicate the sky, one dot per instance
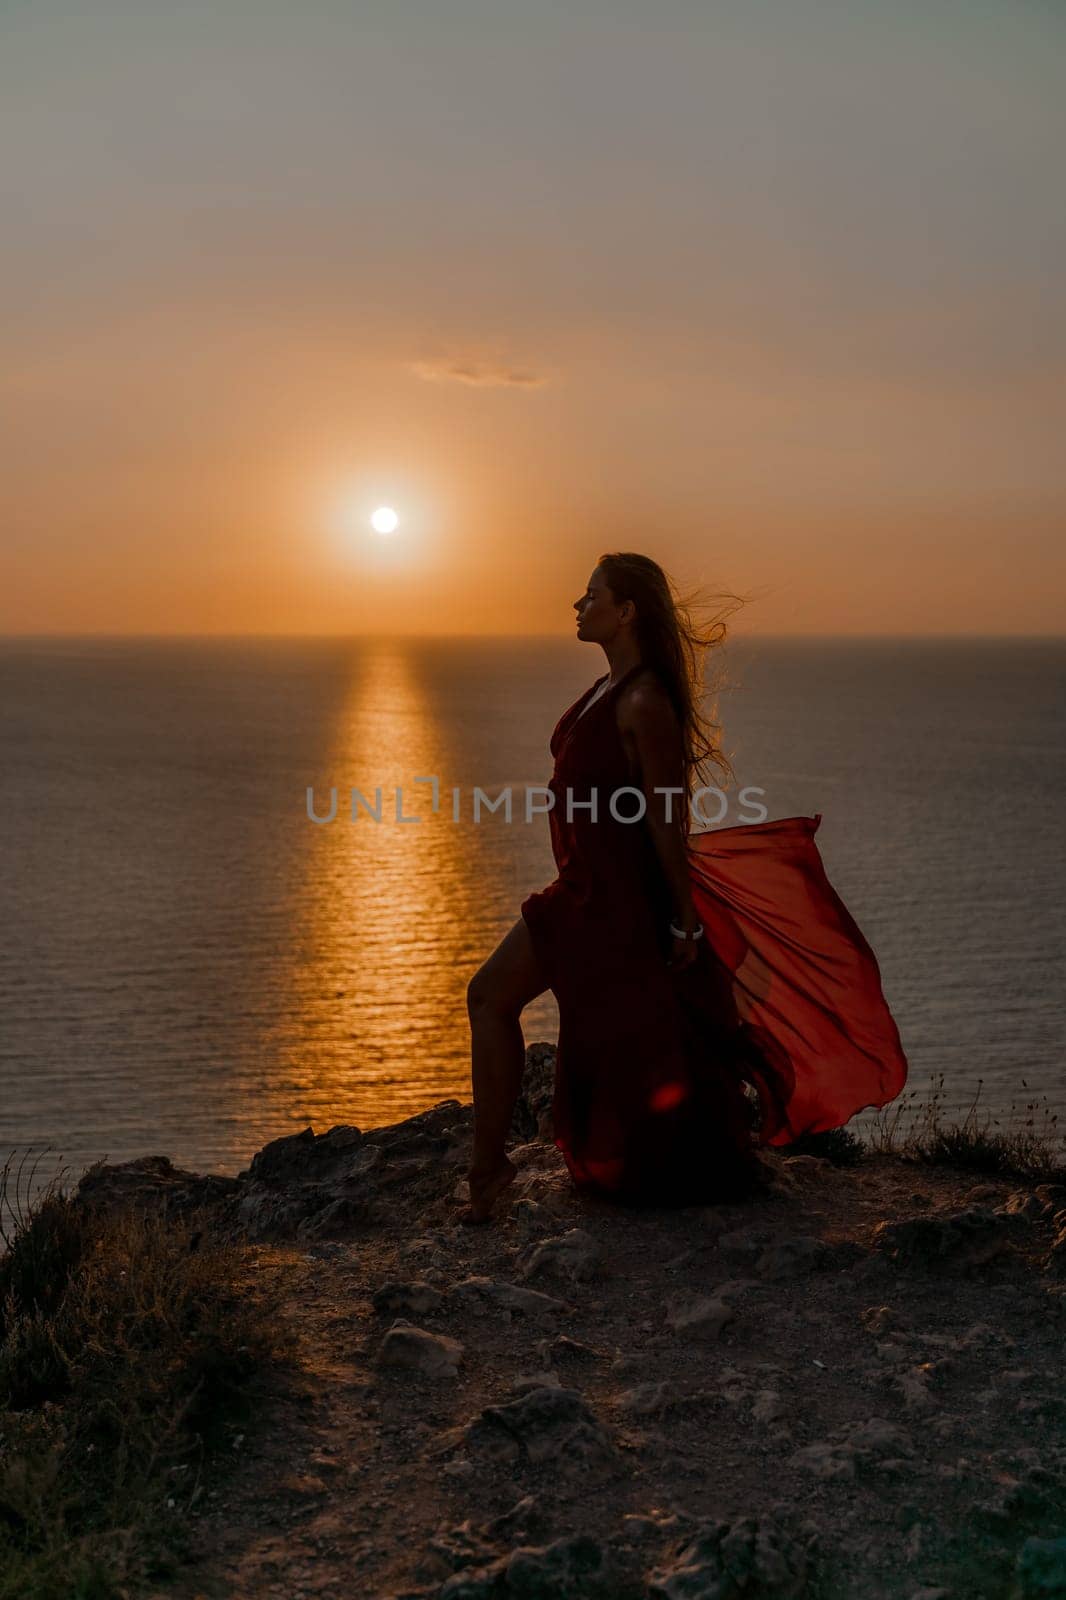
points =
(770, 290)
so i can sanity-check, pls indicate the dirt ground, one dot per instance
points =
(863, 1411)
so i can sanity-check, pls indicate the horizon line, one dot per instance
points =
(513, 638)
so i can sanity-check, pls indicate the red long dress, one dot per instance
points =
(784, 995)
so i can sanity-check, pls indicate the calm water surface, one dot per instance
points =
(190, 966)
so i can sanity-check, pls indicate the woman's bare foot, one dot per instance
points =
(485, 1188)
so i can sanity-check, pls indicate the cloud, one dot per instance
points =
(481, 374)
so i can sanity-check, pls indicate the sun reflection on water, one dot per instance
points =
(389, 920)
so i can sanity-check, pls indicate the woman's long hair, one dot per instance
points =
(676, 647)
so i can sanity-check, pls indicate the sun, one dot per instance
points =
(384, 520)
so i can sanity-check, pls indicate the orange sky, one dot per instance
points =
(771, 293)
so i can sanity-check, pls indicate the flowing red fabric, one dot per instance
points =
(666, 1079)
(806, 984)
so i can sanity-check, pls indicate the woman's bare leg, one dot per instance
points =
(495, 998)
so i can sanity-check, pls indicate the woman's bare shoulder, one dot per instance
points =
(644, 700)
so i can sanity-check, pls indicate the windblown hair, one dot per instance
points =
(676, 647)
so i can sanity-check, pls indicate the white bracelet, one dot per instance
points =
(679, 933)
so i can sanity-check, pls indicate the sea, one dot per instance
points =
(197, 957)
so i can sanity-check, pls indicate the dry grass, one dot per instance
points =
(1025, 1144)
(129, 1346)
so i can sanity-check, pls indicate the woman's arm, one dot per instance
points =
(650, 729)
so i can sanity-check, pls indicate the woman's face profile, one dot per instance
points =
(597, 613)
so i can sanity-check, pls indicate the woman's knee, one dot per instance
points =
(479, 992)
(509, 979)
(485, 996)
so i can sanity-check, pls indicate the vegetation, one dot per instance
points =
(1028, 1147)
(129, 1345)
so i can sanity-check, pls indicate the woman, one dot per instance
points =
(710, 984)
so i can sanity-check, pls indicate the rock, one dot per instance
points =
(416, 1297)
(267, 1213)
(1037, 1491)
(528, 1215)
(532, 1118)
(1041, 1569)
(536, 1156)
(151, 1183)
(467, 1546)
(340, 1216)
(734, 1385)
(300, 1485)
(547, 1424)
(530, 1302)
(577, 1568)
(872, 1443)
(574, 1255)
(704, 1318)
(1025, 1203)
(563, 1348)
(807, 1166)
(826, 1460)
(639, 1527)
(1055, 1261)
(525, 1519)
(891, 1349)
(431, 1567)
(964, 1240)
(1042, 1408)
(794, 1258)
(913, 1385)
(645, 1399)
(743, 1247)
(981, 1337)
(424, 1246)
(553, 1192)
(767, 1406)
(536, 1380)
(416, 1350)
(303, 1158)
(883, 1319)
(878, 1437)
(431, 1132)
(729, 1288)
(462, 1547)
(752, 1556)
(776, 1184)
